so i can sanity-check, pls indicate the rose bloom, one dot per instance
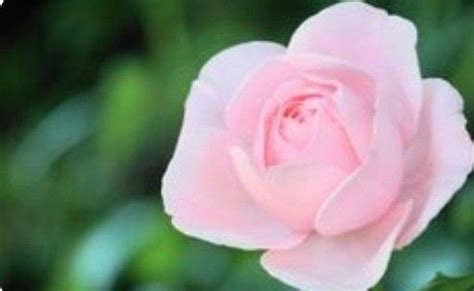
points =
(327, 154)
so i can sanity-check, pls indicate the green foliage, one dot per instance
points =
(442, 282)
(97, 261)
(128, 108)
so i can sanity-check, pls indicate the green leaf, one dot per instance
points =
(128, 109)
(96, 263)
(378, 287)
(65, 127)
(461, 218)
(442, 282)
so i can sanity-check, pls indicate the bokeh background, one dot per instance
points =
(92, 94)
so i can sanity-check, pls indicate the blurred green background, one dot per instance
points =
(92, 93)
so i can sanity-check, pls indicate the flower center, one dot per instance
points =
(297, 120)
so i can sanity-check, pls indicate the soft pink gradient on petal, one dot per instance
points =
(382, 45)
(331, 145)
(244, 110)
(203, 109)
(285, 77)
(369, 192)
(226, 71)
(295, 193)
(354, 101)
(353, 261)
(440, 158)
(278, 138)
(356, 116)
(292, 194)
(219, 79)
(203, 195)
(302, 127)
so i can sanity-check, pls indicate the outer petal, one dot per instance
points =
(440, 158)
(356, 117)
(219, 79)
(202, 193)
(370, 191)
(203, 109)
(227, 70)
(354, 261)
(295, 193)
(291, 194)
(382, 45)
(243, 111)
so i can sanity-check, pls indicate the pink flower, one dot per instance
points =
(328, 154)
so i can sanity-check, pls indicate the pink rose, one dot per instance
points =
(328, 153)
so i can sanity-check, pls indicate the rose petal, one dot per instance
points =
(203, 194)
(295, 193)
(440, 158)
(322, 138)
(227, 70)
(219, 79)
(356, 117)
(355, 108)
(331, 145)
(369, 192)
(355, 99)
(292, 194)
(382, 45)
(353, 261)
(244, 110)
(202, 108)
